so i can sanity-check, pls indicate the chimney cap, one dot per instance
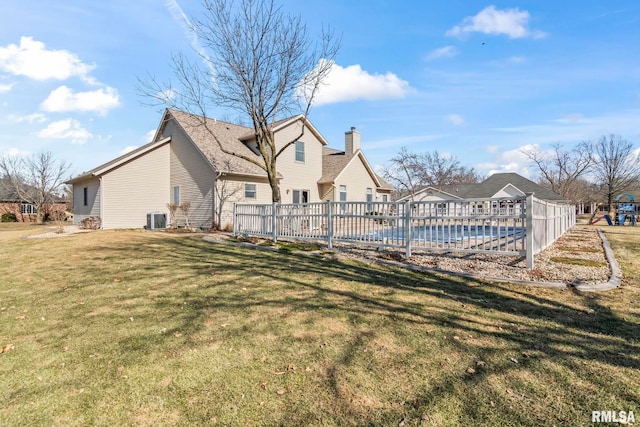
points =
(353, 128)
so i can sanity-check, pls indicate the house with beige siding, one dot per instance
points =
(185, 163)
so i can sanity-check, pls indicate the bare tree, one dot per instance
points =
(173, 210)
(403, 172)
(36, 179)
(185, 208)
(561, 170)
(409, 172)
(256, 60)
(441, 170)
(616, 166)
(226, 190)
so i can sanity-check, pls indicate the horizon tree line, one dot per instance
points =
(605, 168)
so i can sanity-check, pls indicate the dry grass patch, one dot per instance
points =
(578, 261)
(114, 328)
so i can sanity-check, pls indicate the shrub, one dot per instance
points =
(8, 217)
(91, 223)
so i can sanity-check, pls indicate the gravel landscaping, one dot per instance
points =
(577, 258)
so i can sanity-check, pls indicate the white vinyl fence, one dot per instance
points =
(515, 226)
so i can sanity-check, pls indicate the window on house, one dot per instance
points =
(343, 197)
(299, 151)
(249, 191)
(27, 209)
(369, 199)
(176, 195)
(300, 196)
(85, 196)
(385, 198)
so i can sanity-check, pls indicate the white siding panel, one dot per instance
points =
(357, 179)
(299, 175)
(231, 188)
(136, 188)
(195, 177)
(509, 191)
(80, 211)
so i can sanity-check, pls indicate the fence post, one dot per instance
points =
(274, 222)
(329, 224)
(407, 228)
(529, 230)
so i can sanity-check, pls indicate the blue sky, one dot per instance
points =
(478, 80)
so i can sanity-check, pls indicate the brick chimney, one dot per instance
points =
(351, 141)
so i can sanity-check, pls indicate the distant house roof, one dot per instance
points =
(493, 185)
(498, 181)
(9, 194)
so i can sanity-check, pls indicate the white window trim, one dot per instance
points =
(302, 144)
(27, 209)
(176, 187)
(300, 196)
(254, 191)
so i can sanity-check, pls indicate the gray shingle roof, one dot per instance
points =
(7, 193)
(498, 181)
(203, 134)
(334, 161)
(494, 184)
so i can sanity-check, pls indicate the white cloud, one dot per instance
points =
(66, 129)
(572, 118)
(517, 59)
(181, 18)
(402, 141)
(508, 161)
(6, 88)
(63, 99)
(167, 95)
(510, 22)
(15, 152)
(31, 59)
(128, 149)
(442, 52)
(456, 119)
(30, 118)
(352, 83)
(492, 149)
(149, 136)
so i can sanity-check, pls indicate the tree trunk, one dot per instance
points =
(275, 189)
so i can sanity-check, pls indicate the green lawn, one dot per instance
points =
(148, 328)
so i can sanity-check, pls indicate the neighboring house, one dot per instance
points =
(508, 184)
(184, 163)
(10, 202)
(498, 185)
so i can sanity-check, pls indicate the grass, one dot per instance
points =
(577, 261)
(146, 328)
(579, 250)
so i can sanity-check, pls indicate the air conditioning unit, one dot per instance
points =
(156, 220)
